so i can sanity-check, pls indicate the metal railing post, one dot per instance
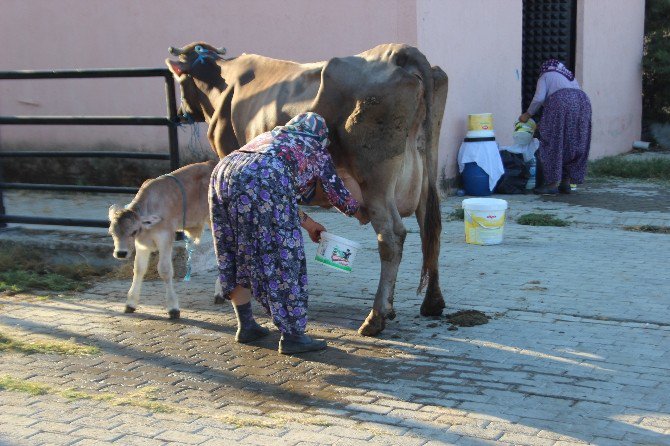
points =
(172, 116)
(2, 202)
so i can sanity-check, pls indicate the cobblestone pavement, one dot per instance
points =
(576, 350)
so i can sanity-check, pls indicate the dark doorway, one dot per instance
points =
(549, 29)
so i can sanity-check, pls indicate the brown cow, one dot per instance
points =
(149, 222)
(384, 110)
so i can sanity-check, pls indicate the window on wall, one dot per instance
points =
(548, 31)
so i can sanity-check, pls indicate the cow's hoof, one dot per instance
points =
(432, 308)
(174, 314)
(433, 303)
(219, 299)
(373, 325)
(391, 314)
(129, 309)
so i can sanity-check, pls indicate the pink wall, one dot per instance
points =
(45, 34)
(478, 44)
(609, 67)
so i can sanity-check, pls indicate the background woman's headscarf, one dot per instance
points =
(308, 124)
(557, 66)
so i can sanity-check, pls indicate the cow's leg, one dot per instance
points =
(139, 270)
(430, 226)
(391, 233)
(166, 272)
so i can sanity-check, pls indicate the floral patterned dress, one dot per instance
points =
(253, 199)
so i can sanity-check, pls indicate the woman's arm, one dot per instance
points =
(313, 228)
(539, 97)
(333, 186)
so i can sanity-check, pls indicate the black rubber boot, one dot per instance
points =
(291, 344)
(546, 190)
(251, 334)
(564, 188)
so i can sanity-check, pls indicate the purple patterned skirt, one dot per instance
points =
(565, 136)
(257, 237)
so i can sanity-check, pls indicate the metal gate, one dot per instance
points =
(169, 121)
(549, 30)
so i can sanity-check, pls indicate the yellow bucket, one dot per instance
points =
(484, 220)
(481, 121)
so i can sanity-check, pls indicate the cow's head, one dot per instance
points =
(124, 226)
(197, 74)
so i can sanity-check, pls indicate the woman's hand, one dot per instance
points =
(524, 117)
(362, 216)
(314, 229)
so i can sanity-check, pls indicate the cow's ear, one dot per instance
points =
(149, 220)
(113, 209)
(179, 69)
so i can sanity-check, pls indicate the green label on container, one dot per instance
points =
(333, 264)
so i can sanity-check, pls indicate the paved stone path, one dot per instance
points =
(576, 350)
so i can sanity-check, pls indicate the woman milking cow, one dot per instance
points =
(256, 224)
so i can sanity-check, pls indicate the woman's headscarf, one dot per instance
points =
(557, 66)
(305, 125)
(308, 124)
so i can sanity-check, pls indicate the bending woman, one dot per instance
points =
(565, 128)
(256, 222)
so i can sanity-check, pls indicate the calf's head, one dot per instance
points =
(124, 226)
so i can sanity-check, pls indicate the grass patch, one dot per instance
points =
(456, 214)
(23, 270)
(649, 228)
(8, 343)
(18, 281)
(541, 220)
(143, 397)
(621, 167)
(22, 385)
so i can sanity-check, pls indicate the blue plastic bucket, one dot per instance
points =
(475, 180)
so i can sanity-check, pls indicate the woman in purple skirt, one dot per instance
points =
(256, 223)
(565, 128)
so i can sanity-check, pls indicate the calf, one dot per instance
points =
(150, 221)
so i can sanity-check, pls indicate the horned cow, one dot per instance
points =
(384, 111)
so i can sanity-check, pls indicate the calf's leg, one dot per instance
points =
(166, 272)
(139, 270)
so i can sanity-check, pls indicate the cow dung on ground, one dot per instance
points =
(467, 318)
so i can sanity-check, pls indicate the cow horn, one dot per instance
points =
(221, 51)
(176, 51)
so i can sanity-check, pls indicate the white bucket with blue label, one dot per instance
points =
(336, 252)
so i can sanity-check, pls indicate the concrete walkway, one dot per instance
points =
(576, 350)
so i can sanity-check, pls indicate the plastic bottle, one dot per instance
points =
(532, 168)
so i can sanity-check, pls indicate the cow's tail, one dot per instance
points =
(432, 225)
(435, 100)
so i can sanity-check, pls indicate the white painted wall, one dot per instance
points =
(609, 68)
